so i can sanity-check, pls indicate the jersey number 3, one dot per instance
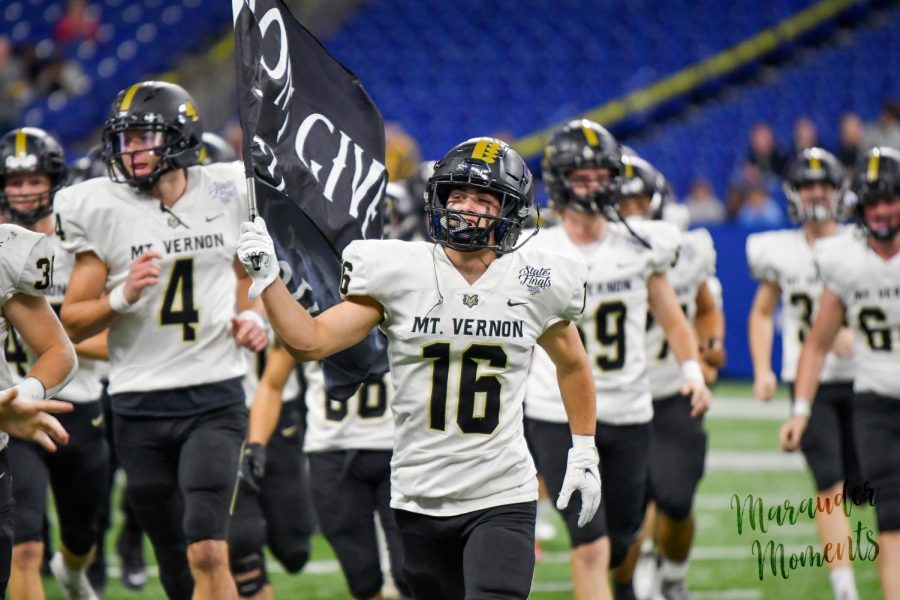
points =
(178, 301)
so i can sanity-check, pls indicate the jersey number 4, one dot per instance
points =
(178, 301)
(470, 417)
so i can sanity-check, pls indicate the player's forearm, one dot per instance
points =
(812, 358)
(760, 336)
(264, 414)
(709, 323)
(683, 341)
(295, 327)
(55, 367)
(576, 385)
(94, 347)
(86, 318)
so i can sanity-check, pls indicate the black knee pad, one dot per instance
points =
(294, 560)
(249, 574)
(79, 540)
(618, 549)
(676, 508)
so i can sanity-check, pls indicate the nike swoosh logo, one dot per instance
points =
(97, 421)
(511, 303)
(289, 431)
(210, 219)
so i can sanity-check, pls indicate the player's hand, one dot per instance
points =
(29, 419)
(701, 397)
(792, 432)
(144, 271)
(249, 333)
(582, 474)
(253, 466)
(843, 343)
(255, 243)
(764, 386)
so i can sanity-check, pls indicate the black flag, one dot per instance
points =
(314, 151)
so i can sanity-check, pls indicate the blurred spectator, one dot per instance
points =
(14, 88)
(763, 152)
(78, 24)
(745, 179)
(702, 204)
(886, 130)
(850, 145)
(760, 211)
(806, 135)
(402, 155)
(234, 135)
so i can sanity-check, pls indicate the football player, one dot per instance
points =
(462, 316)
(273, 506)
(782, 261)
(153, 247)
(32, 171)
(26, 275)
(678, 441)
(582, 168)
(860, 273)
(348, 445)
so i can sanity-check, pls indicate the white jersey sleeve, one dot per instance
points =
(784, 258)
(460, 446)
(178, 334)
(869, 288)
(362, 422)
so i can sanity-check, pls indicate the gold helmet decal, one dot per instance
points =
(487, 150)
(872, 172)
(128, 98)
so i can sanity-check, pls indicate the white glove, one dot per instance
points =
(582, 474)
(256, 243)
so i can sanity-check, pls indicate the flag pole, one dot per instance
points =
(251, 205)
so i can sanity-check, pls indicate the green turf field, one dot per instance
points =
(743, 460)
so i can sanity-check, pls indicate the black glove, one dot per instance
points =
(253, 466)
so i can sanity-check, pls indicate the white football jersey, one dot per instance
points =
(179, 332)
(695, 265)
(85, 386)
(870, 290)
(614, 322)
(785, 259)
(362, 422)
(256, 364)
(459, 355)
(26, 262)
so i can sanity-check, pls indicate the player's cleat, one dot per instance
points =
(645, 577)
(675, 590)
(131, 554)
(75, 585)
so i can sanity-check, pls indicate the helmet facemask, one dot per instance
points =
(450, 227)
(158, 143)
(872, 193)
(814, 212)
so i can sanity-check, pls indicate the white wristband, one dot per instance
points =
(801, 407)
(117, 300)
(30, 389)
(690, 369)
(583, 441)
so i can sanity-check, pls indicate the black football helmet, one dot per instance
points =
(814, 165)
(640, 178)
(216, 150)
(31, 150)
(89, 166)
(876, 177)
(169, 116)
(578, 144)
(486, 164)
